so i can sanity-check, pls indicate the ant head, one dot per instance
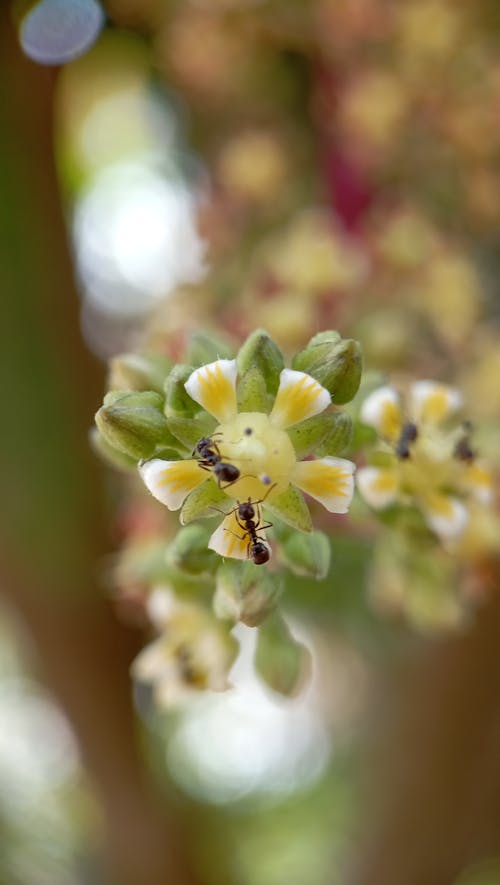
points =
(246, 511)
(260, 553)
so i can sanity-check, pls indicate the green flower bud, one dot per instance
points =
(244, 593)
(134, 423)
(322, 435)
(335, 362)
(202, 501)
(110, 455)
(307, 555)
(281, 661)
(292, 509)
(205, 349)
(260, 351)
(252, 392)
(178, 402)
(138, 371)
(189, 552)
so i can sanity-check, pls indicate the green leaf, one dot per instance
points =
(198, 503)
(292, 509)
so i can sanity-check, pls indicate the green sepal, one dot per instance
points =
(168, 453)
(335, 362)
(189, 431)
(245, 592)
(110, 455)
(307, 555)
(338, 441)
(178, 403)
(138, 371)
(259, 351)
(252, 392)
(292, 509)
(198, 503)
(203, 349)
(134, 423)
(281, 661)
(189, 553)
(322, 434)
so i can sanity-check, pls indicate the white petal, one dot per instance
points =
(329, 480)
(160, 605)
(151, 662)
(478, 481)
(445, 515)
(232, 540)
(379, 487)
(433, 402)
(382, 411)
(299, 397)
(214, 387)
(171, 481)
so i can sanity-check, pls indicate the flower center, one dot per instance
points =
(262, 453)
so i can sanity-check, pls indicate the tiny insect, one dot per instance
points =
(408, 435)
(463, 450)
(210, 458)
(248, 517)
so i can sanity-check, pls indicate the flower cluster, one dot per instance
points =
(426, 459)
(257, 447)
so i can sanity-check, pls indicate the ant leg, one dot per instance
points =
(240, 537)
(223, 512)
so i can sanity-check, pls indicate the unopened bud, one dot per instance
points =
(134, 423)
(178, 403)
(204, 348)
(335, 362)
(260, 351)
(244, 593)
(138, 371)
(189, 552)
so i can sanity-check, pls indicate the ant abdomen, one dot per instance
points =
(259, 553)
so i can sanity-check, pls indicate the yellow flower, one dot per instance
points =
(258, 446)
(431, 464)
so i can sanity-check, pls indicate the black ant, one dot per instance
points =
(463, 450)
(248, 517)
(408, 435)
(210, 458)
